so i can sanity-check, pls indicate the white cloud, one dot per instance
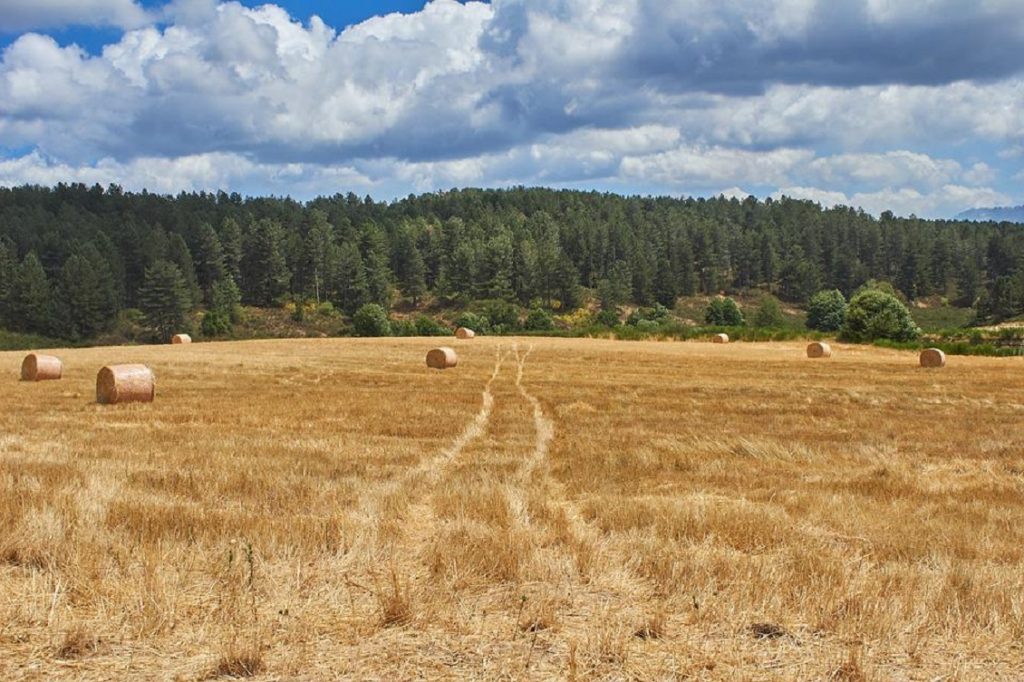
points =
(678, 97)
(25, 15)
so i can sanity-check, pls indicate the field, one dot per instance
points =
(550, 509)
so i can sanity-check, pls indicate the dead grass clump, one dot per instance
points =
(850, 670)
(239, 662)
(767, 631)
(76, 643)
(394, 601)
(468, 552)
(653, 627)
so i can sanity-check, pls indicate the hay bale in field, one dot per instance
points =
(464, 333)
(36, 367)
(819, 349)
(720, 338)
(125, 384)
(442, 358)
(181, 338)
(933, 357)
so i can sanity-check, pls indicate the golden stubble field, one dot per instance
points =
(551, 509)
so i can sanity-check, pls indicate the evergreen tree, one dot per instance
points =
(265, 274)
(179, 254)
(320, 253)
(164, 300)
(29, 303)
(615, 289)
(350, 279)
(231, 244)
(769, 313)
(88, 303)
(209, 261)
(8, 268)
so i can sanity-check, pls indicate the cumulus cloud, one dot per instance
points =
(675, 97)
(25, 15)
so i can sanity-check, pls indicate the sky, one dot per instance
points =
(915, 107)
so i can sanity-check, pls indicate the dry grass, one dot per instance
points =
(585, 510)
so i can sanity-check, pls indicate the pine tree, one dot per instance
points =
(350, 279)
(231, 243)
(265, 274)
(29, 302)
(209, 260)
(8, 267)
(179, 254)
(320, 254)
(164, 299)
(87, 304)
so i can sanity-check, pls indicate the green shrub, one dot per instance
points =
(478, 323)
(826, 311)
(769, 313)
(428, 326)
(647, 326)
(498, 312)
(371, 320)
(875, 314)
(539, 320)
(723, 312)
(403, 328)
(607, 318)
(658, 314)
(216, 323)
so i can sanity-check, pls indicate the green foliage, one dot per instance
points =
(87, 305)
(723, 312)
(607, 318)
(826, 311)
(371, 320)
(226, 299)
(876, 314)
(769, 313)
(539, 320)
(478, 323)
(501, 314)
(428, 326)
(164, 300)
(215, 323)
(29, 305)
(658, 314)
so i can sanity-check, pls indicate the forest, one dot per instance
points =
(75, 259)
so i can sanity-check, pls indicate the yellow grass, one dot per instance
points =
(549, 509)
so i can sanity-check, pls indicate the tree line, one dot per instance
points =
(75, 258)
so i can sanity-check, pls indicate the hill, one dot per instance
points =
(1011, 214)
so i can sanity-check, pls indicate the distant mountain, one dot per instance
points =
(1009, 214)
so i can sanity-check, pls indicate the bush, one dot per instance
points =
(769, 313)
(371, 320)
(723, 312)
(478, 323)
(216, 323)
(539, 320)
(498, 312)
(658, 314)
(403, 328)
(875, 314)
(647, 326)
(607, 318)
(826, 311)
(428, 326)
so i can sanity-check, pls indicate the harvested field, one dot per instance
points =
(548, 509)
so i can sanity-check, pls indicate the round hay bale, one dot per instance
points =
(819, 349)
(464, 333)
(36, 367)
(181, 338)
(125, 384)
(720, 338)
(933, 357)
(442, 358)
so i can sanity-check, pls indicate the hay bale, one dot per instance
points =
(36, 367)
(442, 358)
(819, 349)
(181, 338)
(720, 338)
(933, 357)
(125, 384)
(463, 333)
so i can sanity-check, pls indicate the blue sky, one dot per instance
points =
(914, 107)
